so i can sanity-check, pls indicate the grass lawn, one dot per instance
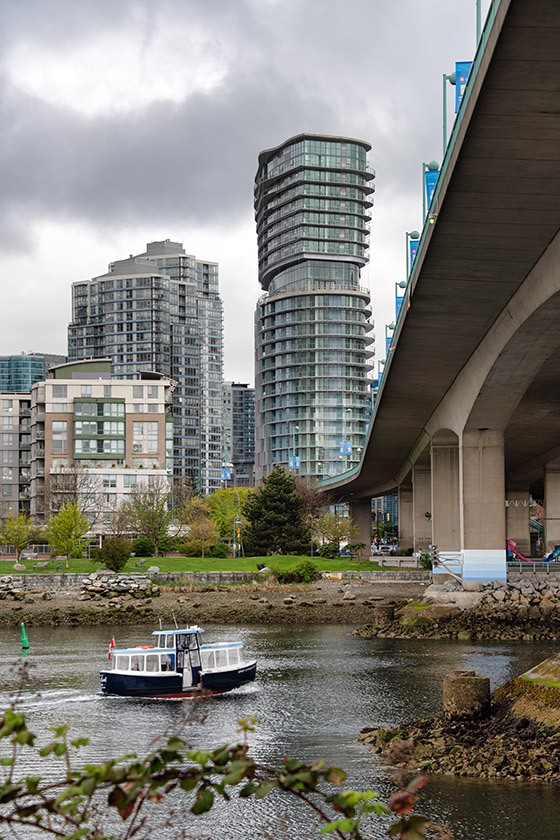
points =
(209, 564)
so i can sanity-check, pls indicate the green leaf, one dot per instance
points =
(32, 783)
(345, 824)
(199, 757)
(59, 731)
(80, 742)
(292, 764)
(6, 762)
(204, 801)
(238, 771)
(415, 828)
(88, 785)
(264, 789)
(60, 749)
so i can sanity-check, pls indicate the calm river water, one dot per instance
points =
(316, 687)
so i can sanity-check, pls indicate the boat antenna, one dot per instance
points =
(174, 619)
(160, 626)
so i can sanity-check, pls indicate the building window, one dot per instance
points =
(7, 489)
(137, 391)
(7, 473)
(7, 439)
(109, 480)
(153, 392)
(86, 391)
(60, 408)
(8, 456)
(7, 422)
(59, 436)
(106, 390)
(60, 391)
(7, 405)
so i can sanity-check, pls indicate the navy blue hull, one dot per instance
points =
(226, 680)
(142, 685)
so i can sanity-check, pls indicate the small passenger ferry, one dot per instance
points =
(176, 665)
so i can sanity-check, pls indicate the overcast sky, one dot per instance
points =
(128, 121)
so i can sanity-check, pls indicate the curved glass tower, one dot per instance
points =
(312, 325)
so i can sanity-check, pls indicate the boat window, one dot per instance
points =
(233, 656)
(181, 640)
(123, 663)
(111, 665)
(167, 662)
(221, 658)
(136, 663)
(170, 641)
(152, 662)
(162, 641)
(193, 641)
(208, 660)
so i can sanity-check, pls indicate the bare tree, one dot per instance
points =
(73, 484)
(149, 511)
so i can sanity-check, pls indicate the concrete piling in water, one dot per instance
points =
(466, 695)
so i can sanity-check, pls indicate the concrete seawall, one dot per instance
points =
(75, 581)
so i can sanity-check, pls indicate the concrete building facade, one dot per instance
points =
(161, 311)
(313, 324)
(239, 431)
(95, 437)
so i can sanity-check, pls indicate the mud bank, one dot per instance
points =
(327, 602)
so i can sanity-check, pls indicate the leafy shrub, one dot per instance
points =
(114, 553)
(425, 561)
(143, 547)
(219, 550)
(166, 544)
(329, 550)
(304, 572)
(403, 552)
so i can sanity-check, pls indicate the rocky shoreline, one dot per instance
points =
(514, 736)
(524, 610)
(100, 601)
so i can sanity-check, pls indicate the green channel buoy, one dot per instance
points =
(24, 639)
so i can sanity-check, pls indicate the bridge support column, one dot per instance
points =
(517, 519)
(406, 537)
(445, 508)
(422, 508)
(484, 511)
(360, 512)
(552, 505)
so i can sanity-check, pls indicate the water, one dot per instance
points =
(316, 687)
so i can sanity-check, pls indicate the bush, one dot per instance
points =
(425, 561)
(143, 547)
(329, 550)
(219, 550)
(304, 572)
(166, 544)
(114, 553)
(403, 552)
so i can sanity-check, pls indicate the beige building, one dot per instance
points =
(94, 438)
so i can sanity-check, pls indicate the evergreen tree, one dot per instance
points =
(274, 514)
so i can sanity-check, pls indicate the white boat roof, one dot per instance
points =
(176, 632)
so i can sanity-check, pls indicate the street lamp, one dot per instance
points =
(237, 527)
(451, 78)
(402, 285)
(389, 328)
(432, 166)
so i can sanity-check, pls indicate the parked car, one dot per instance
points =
(383, 549)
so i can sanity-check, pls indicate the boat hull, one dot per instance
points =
(168, 687)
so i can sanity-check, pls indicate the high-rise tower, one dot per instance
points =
(161, 310)
(312, 325)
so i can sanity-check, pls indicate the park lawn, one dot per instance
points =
(197, 564)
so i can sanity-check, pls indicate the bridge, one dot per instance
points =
(467, 421)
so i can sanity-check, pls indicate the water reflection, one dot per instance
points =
(316, 688)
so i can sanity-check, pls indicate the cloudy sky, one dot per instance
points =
(127, 121)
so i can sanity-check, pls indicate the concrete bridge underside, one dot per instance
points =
(467, 424)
